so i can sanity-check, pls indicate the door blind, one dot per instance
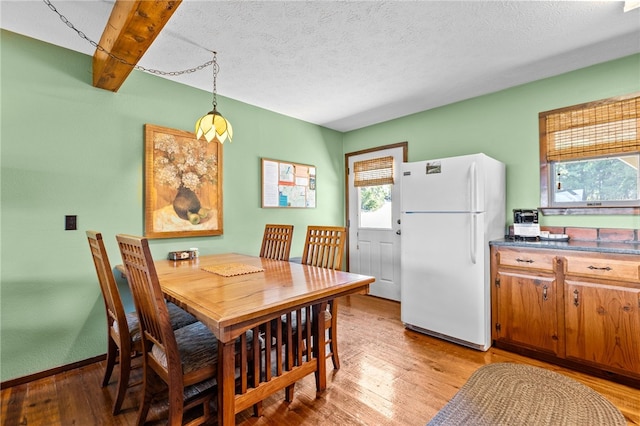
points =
(377, 171)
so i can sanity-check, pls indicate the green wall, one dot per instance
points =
(504, 125)
(69, 148)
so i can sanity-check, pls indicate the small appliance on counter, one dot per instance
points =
(525, 224)
(183, 254)
(546, 236)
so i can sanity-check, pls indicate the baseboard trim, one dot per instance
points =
(57, 370)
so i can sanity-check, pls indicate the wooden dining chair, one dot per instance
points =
(123, 342)
(276, 242)
(180, 359)
(324, 247)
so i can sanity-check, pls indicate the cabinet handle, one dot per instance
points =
(606, 268)
(524, 260)
(544, 293)
(576, 294)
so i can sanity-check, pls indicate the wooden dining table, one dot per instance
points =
(233, 294)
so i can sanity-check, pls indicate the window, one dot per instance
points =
(375, 206)
(590, 158)
(374, 178)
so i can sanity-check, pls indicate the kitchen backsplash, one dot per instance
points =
(593, 234)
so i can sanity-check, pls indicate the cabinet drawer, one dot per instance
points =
(613, 268)
(540, 260)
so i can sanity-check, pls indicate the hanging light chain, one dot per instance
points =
(215, 68)
(124, 61)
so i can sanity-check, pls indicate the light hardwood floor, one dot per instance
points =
(388, 376)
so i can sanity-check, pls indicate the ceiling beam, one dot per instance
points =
(132, 27)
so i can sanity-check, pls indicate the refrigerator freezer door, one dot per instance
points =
(445, 279)
(450, 184)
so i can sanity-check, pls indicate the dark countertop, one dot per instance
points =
(577, 245)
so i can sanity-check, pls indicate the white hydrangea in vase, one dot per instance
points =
(185, 166)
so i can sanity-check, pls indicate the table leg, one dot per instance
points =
(226, 384)
(320, 346)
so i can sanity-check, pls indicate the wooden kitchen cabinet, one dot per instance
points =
(602, 326)
(579, 309)
(525, 291)
(602, 311)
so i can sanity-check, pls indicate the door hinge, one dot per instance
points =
(497, 282)
(498, 327)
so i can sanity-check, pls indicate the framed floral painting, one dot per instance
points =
(183, 184)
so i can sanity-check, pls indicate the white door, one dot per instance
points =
(374, 227)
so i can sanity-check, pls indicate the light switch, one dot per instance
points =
(70, 223)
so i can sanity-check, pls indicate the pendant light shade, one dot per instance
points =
(213, 125)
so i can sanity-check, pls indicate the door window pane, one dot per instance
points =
(375, 206)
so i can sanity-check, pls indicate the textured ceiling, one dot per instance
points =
(346, 65)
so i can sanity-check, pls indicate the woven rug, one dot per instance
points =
(232, 269)
(515, 394)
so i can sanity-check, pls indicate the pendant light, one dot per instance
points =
(213, 125)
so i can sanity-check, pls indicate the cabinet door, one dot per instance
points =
(527, 310)
(602, 324)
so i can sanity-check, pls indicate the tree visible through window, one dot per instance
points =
(590, 157)
(375, 207)
(374, 178)
(374, 197)
(597, 180)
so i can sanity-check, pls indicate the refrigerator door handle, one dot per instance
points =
(474, 187)
(473, 240)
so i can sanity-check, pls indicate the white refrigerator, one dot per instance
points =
(451, 209)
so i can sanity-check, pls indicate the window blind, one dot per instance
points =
(377, 171)
(592, 130)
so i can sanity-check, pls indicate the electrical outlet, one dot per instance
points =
(70, 223)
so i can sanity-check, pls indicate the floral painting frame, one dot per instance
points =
(182, 184)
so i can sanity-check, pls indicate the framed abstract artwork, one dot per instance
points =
(182, 184)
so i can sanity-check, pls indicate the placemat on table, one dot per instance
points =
(232, 269)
